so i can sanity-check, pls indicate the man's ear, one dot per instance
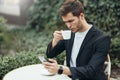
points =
(81, 16)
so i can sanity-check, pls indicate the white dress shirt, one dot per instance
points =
(79, 37)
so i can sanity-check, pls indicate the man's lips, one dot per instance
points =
(72, 29)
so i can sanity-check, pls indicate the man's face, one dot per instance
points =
(73, 22)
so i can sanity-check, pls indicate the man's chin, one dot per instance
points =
(74, 31)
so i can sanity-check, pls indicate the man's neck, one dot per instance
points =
(86, 26)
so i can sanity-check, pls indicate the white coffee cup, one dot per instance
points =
(66, 34)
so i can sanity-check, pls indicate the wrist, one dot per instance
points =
(60, 70)
(66, 70)
(54, 42)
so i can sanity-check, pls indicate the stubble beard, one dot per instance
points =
(79, 27)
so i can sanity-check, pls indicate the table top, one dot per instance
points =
(33, 72)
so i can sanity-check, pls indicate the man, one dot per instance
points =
(86, 50)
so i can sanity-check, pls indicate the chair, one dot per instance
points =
(107, 66)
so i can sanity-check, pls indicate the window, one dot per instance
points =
(11, 2)
(10, 7)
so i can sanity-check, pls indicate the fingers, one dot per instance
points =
(51, 67)
(57, 34)
(52, 60)
(47, 63)
(57, 37)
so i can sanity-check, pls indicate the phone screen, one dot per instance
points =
(42, 59)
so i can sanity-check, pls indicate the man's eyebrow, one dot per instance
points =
(69, 20)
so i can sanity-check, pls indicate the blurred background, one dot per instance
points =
(26, 28)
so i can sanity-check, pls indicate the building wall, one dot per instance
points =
(15, 13)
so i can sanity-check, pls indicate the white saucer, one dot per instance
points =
(44, 71)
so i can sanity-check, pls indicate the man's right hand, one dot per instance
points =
(57, 37)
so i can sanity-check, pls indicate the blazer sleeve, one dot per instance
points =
(96, 62)
(52, 52)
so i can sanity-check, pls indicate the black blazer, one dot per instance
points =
(91, 56)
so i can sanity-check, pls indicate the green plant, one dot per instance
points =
(116, 62)
(4, 36)
(8, 63)
(2, 29)
(44, 12)
(24, 40)
(105, 14)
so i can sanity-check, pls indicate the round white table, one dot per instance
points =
(33, 72)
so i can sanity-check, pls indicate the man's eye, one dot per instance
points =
(70, 20)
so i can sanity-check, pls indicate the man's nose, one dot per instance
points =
(69, 25)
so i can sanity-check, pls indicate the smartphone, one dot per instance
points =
(42, 58)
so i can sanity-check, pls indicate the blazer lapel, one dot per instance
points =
(87, 38)
(70, 47)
